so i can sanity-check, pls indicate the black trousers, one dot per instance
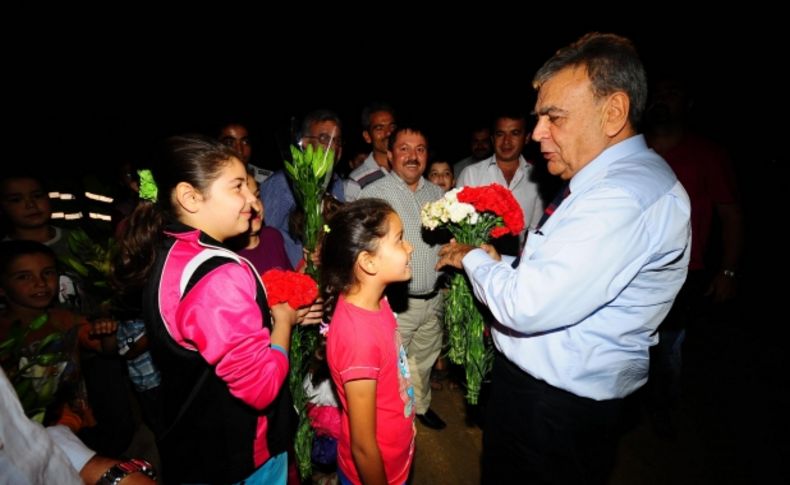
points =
(536, 433)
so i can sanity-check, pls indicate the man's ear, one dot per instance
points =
(367, 263)
(615, 116)
(188, 197)
(367, 137)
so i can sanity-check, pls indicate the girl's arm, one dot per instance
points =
(361, 398)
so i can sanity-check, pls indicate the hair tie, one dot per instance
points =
(323, 329)
(148, 188)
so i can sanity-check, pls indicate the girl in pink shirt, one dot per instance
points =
(362, 253)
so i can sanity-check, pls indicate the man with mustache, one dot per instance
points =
(419, 318)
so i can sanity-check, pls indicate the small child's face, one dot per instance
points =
(30, 282)
(257, 206)
(394, 253)
(442, 175)
(25, 203)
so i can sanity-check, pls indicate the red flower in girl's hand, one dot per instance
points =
(296, 289)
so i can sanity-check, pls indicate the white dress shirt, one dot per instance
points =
(524, 190)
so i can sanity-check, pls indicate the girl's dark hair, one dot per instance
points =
(10, 251)
(195, 159)
(355, 227)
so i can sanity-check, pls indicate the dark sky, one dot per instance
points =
(86, 104)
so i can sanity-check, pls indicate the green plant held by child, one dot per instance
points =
(310, 171)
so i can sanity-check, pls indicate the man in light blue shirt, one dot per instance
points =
(576, 317)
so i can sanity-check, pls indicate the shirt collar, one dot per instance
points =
(522, 162)
(600, 164)
(402, 184)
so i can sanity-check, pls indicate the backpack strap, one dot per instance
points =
(198, 267)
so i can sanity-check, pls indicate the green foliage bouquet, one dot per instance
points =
(310, 171)
(34, 371)
(473, 215)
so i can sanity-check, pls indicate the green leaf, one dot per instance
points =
(75, 265)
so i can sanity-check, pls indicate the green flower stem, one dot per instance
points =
(310, 170)
(465, 325)
(458, 300)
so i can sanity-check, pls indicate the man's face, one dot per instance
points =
(409, 156)
(236, 137)
(481, 144)
(325, 133)
(509, 138)
(570, 126)
(381, 125)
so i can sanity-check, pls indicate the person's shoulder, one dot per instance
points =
(433, 189)
(272, 233)
(277, 178)
(373, 189)
(644, 178)
(705, 148)
(475, 170)
(219, 266)
(362, 170)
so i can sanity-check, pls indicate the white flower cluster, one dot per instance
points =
(448, 209)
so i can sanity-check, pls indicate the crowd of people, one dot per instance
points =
(582, 302)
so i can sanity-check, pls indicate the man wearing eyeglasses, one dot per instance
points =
(319, 127)
(378, 122)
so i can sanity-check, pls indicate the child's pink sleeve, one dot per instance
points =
(355, 354)
(222, 320)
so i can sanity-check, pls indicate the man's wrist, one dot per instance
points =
(121, 470)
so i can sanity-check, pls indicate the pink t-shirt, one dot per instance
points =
(364, 344)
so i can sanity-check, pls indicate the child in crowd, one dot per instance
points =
(263, 246)
(362, 253)
(441, 173)
(25, 206)
(222, 352)
(41, 342)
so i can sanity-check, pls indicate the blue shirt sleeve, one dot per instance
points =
(580, 265)
(278, 201)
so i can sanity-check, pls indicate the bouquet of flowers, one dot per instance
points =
(473, 215)
(296, 289)
(45, 374)
(310, 172)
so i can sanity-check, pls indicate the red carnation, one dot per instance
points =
(498, 200)
(296, 289)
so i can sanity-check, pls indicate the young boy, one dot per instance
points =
(41, 342)
(25, 206)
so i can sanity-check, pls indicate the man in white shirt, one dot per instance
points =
(31, 454)
(507, 167)
(576, 317)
